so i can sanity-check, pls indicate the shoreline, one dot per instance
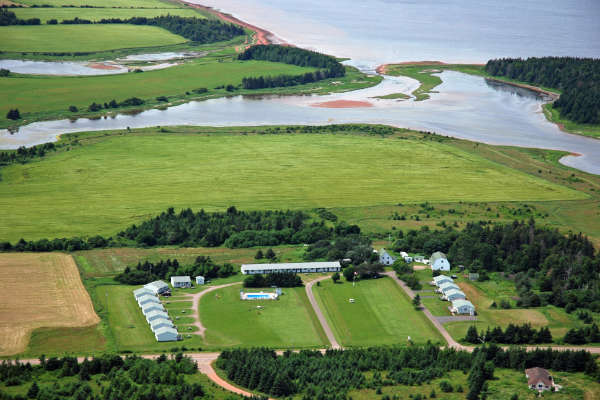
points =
(261, 36)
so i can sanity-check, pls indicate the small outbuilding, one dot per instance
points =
(463, 307)
(454, 294)
(160, 323)
(199, 280)
(148, 308)
(407, 259)
(148, 299)
(158, 287)
(166, 334)
(439, 262)
(539, 379)
(181, 282)
(386, 258)
(152, 315)
(137, 293)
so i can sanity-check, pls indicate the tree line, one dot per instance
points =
(279, 279)
(25, 154)
(564, 268)
(233, 228)
(331, 375)
(113, 378)
(577, 78)
(328, 66)
(9, 18)
(583, 335)
(147, 271)
(513, 334)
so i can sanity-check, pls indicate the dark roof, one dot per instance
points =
(535, 375)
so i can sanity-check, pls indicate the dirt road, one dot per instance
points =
(313, 302)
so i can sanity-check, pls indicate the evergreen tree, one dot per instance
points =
(33, 391)
(259, 255)
(13, 114)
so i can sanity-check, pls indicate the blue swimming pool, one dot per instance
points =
(258, 296)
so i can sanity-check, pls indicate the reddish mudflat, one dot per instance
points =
(343, 104)
(102, 66)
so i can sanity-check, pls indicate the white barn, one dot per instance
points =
(304, 267)
(152, 315)
(137, 293)
(385, 258)
(199, 280)
(440, 279)
(148, 299)
(181, 281)
(157, 287)
(454, 294)
(160, 323)
(148, 308)
(166, 334)
(463, 307)
(439, 262)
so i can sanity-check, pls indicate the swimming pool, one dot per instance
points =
(258, 296)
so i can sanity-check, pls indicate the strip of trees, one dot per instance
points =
(331, 375)
(9, 18)
(105, 377)
(513, 334)
(564, 268)
(147, 272)
(577, 78)
(328, 67)
(583, 335)
(24, 154)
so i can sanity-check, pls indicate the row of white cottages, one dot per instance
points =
(451, 292)
(154, 311)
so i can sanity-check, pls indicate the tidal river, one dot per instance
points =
(372, 32)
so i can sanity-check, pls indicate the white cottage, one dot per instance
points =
(454, 294)
(199, 280)
(160, 323)
(166, 334)
(148, 299)
(148, 308)
(441, 279)
(157, 287)
(439, 262)
(181, 281)
(463, 307)
(447, 286)
(137, 293)
(152, 315)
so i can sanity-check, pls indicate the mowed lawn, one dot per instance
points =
(381, 313)
(47, 93)
(96, 14)
(83, 38)
(40, 290)
(285, 323)
(102, 188)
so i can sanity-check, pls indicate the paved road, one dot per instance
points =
(313, 302)
(196, 302)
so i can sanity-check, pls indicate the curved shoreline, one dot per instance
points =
(261, 36)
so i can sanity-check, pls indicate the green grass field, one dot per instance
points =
(125, 179)
(381, 314)
(96, 14)
(86, 38)
(284, 323)
(105, 3)
(38, 94)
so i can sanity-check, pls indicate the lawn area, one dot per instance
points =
(35, 94)
(124, 179)
(285, 323)
(96, 14)
(40, 290)
(83, 38)
(381, 314)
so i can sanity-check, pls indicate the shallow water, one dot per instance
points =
(160, 56)
(57, 68)
(465, 106)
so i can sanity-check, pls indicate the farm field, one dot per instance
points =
(284, 323)
(31, 93)
(40, 291)
(381, 314)
(83, 38)
(124, 178)
(96, 14)
(105, 3)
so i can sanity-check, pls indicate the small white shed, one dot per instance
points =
(166, 334)
(199, 280)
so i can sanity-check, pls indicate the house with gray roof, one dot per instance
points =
(181, 281)
(148, 299)
(166, 334)
(463, 307)
(137, 293)
(157, 287)
(152, 315)
(386, 258)
(454, 294)
(439, 262)
(148, 308)
(160, 323)
(446, 286)
(440, 279)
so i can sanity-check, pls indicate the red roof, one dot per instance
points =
(536, 375)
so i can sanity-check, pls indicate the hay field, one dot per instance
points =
(39, 290)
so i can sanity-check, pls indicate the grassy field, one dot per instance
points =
(105, 3)
(40, 290)
(381, 314)
(96, 14)
(73, 38)
(287, 322)
(124, 179)
(45, 94)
